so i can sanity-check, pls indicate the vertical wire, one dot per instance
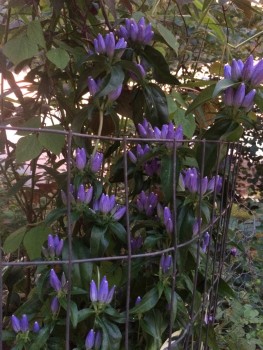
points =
(175, 241)
(128, 291)
(69, 234)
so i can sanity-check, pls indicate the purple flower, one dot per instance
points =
(119, 213)
(56, 283)
(90, 340)
(196, 226)
(141, 75)
(215, 184)
(191, 180)
(93, 86)
(136, 243)
(233, 251)
(147, 203)
(167, 219)
(15, 324)
(106, 203)
(81, 158)
(239, 95)
(208, 319)
(115, 94)
(24, 323)
(166, 263)
(248, 100)
(205, 242)
(227, 71)
(54, 306)
(248, 68)
(257, 75)
(54, 246)
(101, 294)
(84, 196)
(98, 340)
(152, 167)
(36, 327)
(108, 45)
(235, 70)
(229, 96)
(95, 162)
(137, 32)
(138, 300)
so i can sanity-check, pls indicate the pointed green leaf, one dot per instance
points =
(147, 303)
(113, 81)
(35, 33)
(52, 142)
(222, 85)
(27, 148)
(20, 48)
(168, 36)
(34, 239)
(14, 240)
(59, 57)
(204, 96)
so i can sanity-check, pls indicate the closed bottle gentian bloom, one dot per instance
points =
(152, 167)
(93, 86)
(137, 32)
(229, 96)
(81, 158)
(257, 75)
(54, 281)
(93, 291)
(248, 69)
(166, 263)
(147, 203)
(235, 70)
(205, 242)
(121, 210)
(15, 324)
(98, 340)
(54, 247)
(196, 226)
(36, 327)
(167, 219)
(115, 94)
(138, 300)
(95, 162)
(248, 100)
(136, 243)
(54, 306)
(101, 294)
(108, 45)
(239, 95)
(191, 180)
(24, 323)
(90, 340)
(142, 71)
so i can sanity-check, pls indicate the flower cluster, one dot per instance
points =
(250, 75)
(94, 163)
(95, 86)
(102, 294)
(167, 132)
(137, 32)
(147, 203)
(80, 196)
(141, 151)
(93, 340)
(22, 325)
(107, 205)
(57, 284)
(107, 45)
(54, 247)
(191, 181)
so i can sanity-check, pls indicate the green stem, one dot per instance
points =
(101, 114)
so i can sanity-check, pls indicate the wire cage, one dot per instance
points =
(164, 254)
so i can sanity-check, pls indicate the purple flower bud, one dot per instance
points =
(121, 44)
(178, 134)
(235, 70)
(249, 99)
(123, 33)
(257, 75)
(233, 251)
(191, 180)
(218, 183)
(134, 30)
(92, 85)
(141, 130)
(36, 327)
(141, 33)
(205, 243)
(15, 324)
(248, 68)
(148, 34)
(136, 244)
(54, 281)
(101, 44)
(166, 215)
(110, 295)
(98, 341)
(103, 290)
(106, 203)
(241, 65)
(132, 157)
(227, 71)
(54, 306)
(59, 247)
(196, 226)
(229, 96)
(51, 245)
(239, 95)
(204, 183)
(208, 319)
(166, 263)
(24, 323)
(88, 195)
(115, 94)
(138, 300)
(90, 340)
(157, 133)
(81, 194)
(81, 158)
(119, 213)
(93, 292)
(96, 162)
(110, 44)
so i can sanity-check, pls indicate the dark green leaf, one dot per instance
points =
(41, 338)
(147, 303)
(54, 215)
(168, 36)
(168, 296)
(119, 231)
(59, 57)
(34, 239)
(27, 148)
(35, 33)
(156, 105)
(14, 240)
(52, 142)
(167, 176)
(222, 85)
(113, 81)
(111, 335)
(83, 314)
(98, 242)
(187, 121)
(204, 96)
(20, 48)
(225, 290)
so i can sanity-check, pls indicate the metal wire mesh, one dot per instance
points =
(201, 303)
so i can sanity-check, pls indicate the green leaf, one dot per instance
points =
(168, 296)
(20, 48)
(83, 314)
(59, 57)
(111, 335)
(156, 105)
(113, 81)
(223, 85)
(119, 231)
(98, 242)
(224, 289)
(41, 338)
(35, 33)
(153, 324)
(168, 36)
(34, 240)
(52, 142)
(160, 66)
(259, 100)
(7, 335)
(81, 273)
(187, 122)
(14, 240)
(27, 148)
(204, 96)
(147, 303)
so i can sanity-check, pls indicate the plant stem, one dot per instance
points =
(101, 114)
